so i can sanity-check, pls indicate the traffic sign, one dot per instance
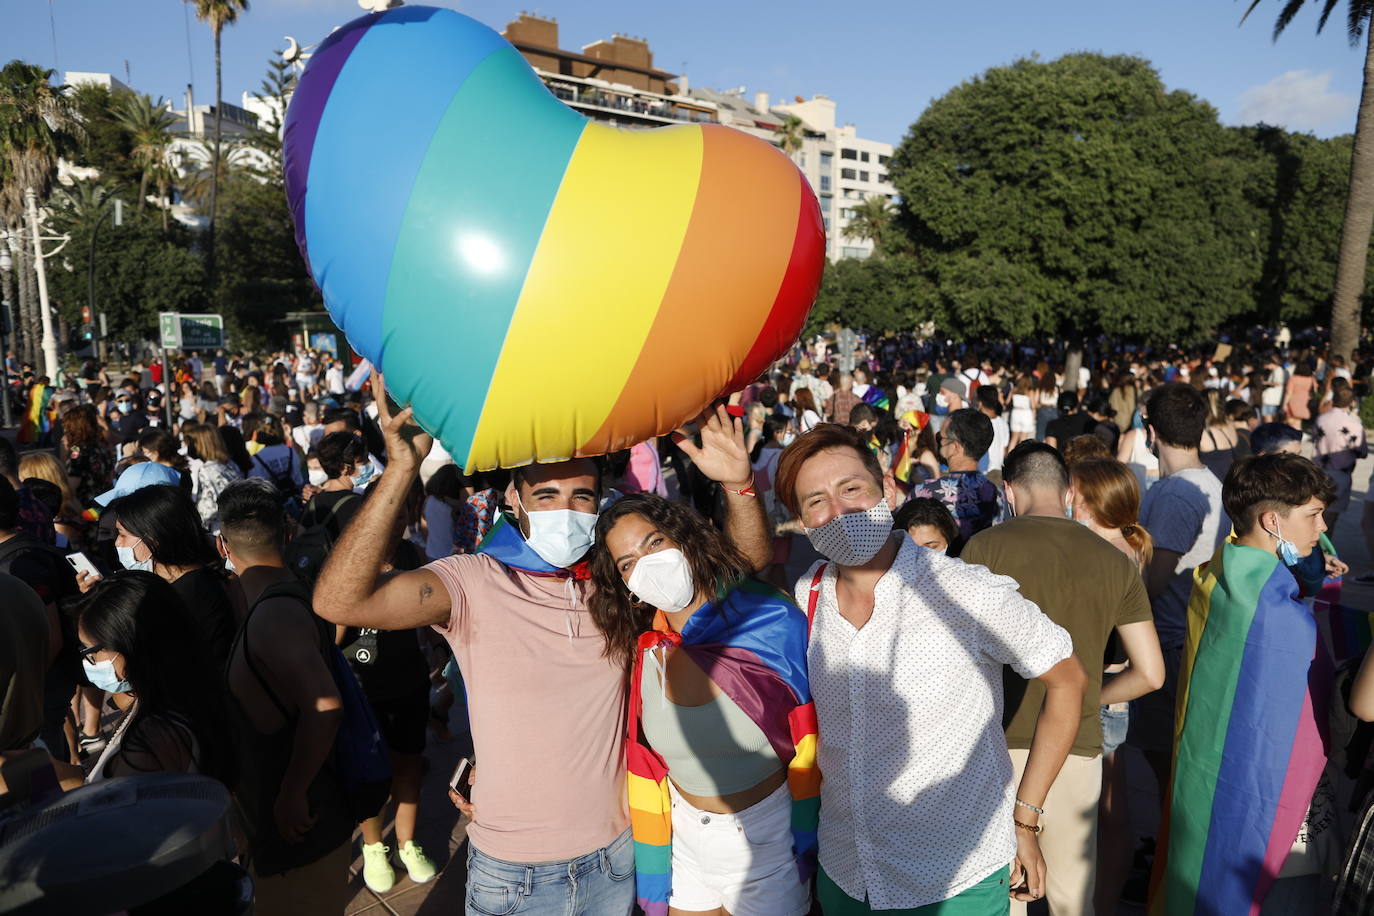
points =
(180, 331)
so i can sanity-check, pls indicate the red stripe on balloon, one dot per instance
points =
(797, 294)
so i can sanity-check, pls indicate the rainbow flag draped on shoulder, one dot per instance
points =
(752, 644)
(1250, 741)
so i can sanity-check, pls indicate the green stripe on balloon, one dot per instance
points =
(473, 222)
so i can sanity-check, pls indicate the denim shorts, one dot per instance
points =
(1115, 720)
(600, 883)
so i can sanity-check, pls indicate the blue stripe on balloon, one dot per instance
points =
(476, 213)
(373, 136)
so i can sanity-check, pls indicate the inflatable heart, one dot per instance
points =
(534, 284)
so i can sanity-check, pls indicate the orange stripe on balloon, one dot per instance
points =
(801, 282)
(735, 231)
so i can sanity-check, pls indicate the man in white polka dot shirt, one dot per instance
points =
(918, 805)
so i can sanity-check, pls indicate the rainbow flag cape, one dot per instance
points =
(1250, 740)
(876, 397)
(36, 422)
(752, 644)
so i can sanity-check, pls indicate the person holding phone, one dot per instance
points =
(679, 601)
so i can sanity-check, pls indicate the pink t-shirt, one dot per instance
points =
(547, 710)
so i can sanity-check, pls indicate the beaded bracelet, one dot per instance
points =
(1033, 828)
(1039, 811)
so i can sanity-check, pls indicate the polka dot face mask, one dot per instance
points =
(854, 538)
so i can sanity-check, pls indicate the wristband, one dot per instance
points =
(1033, 828)
(1039, 811)
(747, 491)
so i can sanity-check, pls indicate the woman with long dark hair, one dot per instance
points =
(158, 530)
(88, 459)
(137, 639)
(719, 751)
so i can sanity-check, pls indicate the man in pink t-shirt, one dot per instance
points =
(550, 829)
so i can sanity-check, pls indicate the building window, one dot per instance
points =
(847, 173)
(826, 201)
(825, 182)
(802, 160)
(882, 178)
(827, 225)
(849, 154)
(884, 160)
(863, 157)
(826, 159)
(863, 176)
(848, 252)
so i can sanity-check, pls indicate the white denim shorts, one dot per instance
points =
(742, 862)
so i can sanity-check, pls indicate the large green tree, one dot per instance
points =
(1353, 258)
(1078, 195)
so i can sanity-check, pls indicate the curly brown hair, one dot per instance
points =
(80, 427)
(619, 615)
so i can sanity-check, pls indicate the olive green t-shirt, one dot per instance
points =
(1082, 583)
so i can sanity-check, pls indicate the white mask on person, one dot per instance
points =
(854, 538)
(663, 580)
(561, 537)
(126, 559)
(364, 475)
(318, 477)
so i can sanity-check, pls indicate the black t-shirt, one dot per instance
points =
(128, 425)
(389, 663)
(205, 594)
(1066, 428)
(1108, 433)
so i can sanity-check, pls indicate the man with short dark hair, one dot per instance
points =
(1184, 516)
(1073, 421)
(1091, 589)
(1340, 444)
(288, 709)
(974, 501)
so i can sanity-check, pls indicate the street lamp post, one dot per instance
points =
(50, 363)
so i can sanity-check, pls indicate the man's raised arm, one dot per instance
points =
(351, 591)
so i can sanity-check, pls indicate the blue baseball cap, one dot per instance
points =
(138, 476)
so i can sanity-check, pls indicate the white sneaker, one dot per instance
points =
(378, 874)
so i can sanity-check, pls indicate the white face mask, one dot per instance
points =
(560, 536)
(854, 538)
(318, 478)
(126, 559)
(663, 580)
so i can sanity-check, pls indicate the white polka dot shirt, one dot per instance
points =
(916, 804)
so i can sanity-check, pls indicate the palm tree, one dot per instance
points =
(218, 13)
(790, 135)
(1359, 203)
(149, 123)
(870, 221)
(37, 126)
(203, 179)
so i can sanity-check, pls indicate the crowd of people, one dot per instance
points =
(871, 635)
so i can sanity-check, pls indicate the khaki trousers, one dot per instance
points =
(1069, 840)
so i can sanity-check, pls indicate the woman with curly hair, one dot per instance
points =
(721, 745)
(89, 460)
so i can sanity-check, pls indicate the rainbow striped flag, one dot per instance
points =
(1250, 741)
(36, 422)
(752, 644)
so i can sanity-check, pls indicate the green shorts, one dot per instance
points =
(986, 898)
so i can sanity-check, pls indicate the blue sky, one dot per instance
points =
(882, 61)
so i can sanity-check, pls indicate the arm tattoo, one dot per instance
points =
(425, 591)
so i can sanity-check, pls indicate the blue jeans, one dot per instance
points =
(600, 883)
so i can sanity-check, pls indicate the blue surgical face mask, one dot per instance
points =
(1288, 551)
(102, 675)
(560, 536)
(124, 406)
(126, 559)
(364, 475)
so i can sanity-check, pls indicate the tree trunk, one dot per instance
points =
(7, 295)
(28, 348)
(142, 191)
(214, 174)
(1073, 361)
(1359, 219)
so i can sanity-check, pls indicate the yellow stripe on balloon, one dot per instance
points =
(593, 288)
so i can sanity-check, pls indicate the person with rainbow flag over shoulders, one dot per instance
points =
(1241, 831)
(723, 786)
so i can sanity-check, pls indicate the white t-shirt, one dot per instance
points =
(997, 452)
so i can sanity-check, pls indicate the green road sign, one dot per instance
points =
(190, 332)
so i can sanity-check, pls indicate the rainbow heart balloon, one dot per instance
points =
(534, 284)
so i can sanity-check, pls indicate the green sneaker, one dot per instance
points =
(418, 866)
(378, 874)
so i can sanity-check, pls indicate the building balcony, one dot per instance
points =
(604, 103)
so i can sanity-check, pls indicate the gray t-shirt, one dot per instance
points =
(1183, 513)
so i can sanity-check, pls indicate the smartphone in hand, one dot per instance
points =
(461, 781)
(82, 563)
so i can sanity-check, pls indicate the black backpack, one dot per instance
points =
(286, 487)
(306, 553)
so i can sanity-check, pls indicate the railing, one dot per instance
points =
(653, 108)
